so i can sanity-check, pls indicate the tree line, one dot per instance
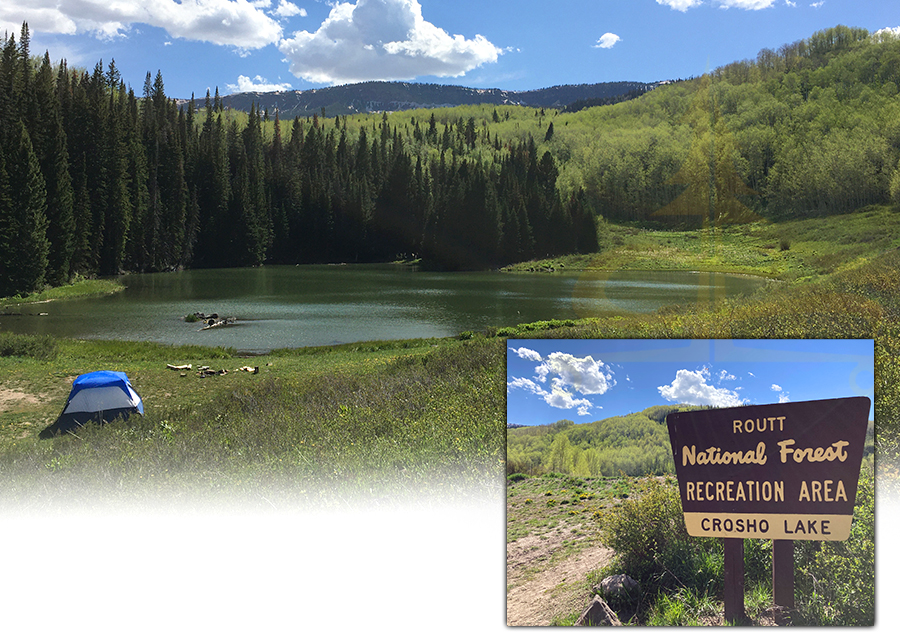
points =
(635, 444)
(96, 180)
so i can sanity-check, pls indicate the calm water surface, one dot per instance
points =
(329, 304)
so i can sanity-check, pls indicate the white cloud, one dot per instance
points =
(582, 374)
(288, 9)
(790, 4)
(527, 354)
(783, 396)
(816, 5)
(568, 377)
(235, 23)
(524, 383)
(382, 40)
(887, 31)
(724, 375)
(749, 5)
(557, 397)
(681, 5)
(606, 41)
(562, 399)
(258, 83)
(691, 387)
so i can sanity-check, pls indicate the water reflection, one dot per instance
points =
(319, 305)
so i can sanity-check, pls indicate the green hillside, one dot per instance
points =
(635, 444)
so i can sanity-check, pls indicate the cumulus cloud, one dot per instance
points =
(607, 41)
(692, 387)
(524, 383)
(816, 5)
(245, 84)
(724, 375)
(236, 23)
(527, 354)
(382, 40)
(584, 375)
(289, 9)
(562, 380)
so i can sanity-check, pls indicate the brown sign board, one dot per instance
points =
(780, 471)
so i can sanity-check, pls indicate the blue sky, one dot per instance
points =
(588, 380)
(509, 44)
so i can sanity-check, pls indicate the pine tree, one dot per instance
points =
(23, 224)
(51, 149)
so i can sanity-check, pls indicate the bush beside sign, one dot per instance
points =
(781, 471)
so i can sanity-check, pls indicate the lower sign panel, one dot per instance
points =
(775, 526)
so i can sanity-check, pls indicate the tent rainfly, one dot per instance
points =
(99, 396)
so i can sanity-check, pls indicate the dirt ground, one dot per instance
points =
(539, 588)
(10, 398)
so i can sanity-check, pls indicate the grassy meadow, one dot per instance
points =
(372, 421)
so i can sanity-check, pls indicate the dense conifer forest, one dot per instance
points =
(98, 180)
(95, 180)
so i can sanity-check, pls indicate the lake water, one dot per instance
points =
(295, 306)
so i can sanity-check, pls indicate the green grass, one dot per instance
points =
(78, 289)
(800, 250)
(377, 421)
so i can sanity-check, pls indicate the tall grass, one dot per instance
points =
(25, 346)
(416, 425)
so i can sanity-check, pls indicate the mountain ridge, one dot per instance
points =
(378, 96)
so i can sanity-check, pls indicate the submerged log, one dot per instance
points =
(216, 322)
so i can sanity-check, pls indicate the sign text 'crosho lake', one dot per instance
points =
(782, 471)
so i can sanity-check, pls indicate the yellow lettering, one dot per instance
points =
(834, 452)
(840, 492)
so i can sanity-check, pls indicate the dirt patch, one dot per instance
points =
(543, 582)
(13, 398)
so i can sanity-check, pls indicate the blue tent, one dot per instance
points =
(99, 396)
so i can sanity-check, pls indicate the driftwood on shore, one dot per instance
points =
(205, 371)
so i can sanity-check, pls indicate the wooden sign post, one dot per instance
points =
(782, 472)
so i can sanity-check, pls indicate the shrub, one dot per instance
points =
(516, 477)
(836, 580)
(652, 543)
(24, 346)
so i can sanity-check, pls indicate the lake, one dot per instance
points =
(296, 306)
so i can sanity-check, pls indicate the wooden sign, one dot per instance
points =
(780, 471)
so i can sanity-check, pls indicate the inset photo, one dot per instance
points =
(690, 482)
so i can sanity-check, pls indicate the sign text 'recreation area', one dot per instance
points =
(781, 471)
